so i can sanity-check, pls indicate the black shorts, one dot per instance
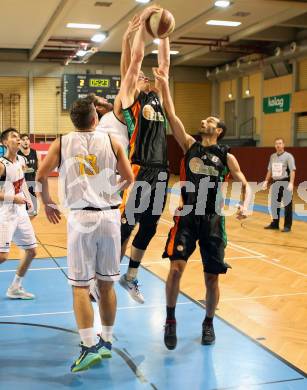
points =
(209, 231)
(153, 196)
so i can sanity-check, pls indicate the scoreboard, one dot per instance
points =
(75, 86)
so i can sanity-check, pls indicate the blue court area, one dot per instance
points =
(39, 342)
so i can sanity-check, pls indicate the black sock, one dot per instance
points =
(170, 313)
(134, 264)
(208, 321)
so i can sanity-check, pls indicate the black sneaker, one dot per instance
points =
(286, 230)
(272, 227)
(170, 337)
(208, 335)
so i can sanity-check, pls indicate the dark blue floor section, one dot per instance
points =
(35, 357)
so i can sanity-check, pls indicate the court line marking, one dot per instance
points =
(71, 311)
(267, 260)
(259, 255)
(261, 296)
(125, 264)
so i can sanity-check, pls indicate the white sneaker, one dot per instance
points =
(132, 286)
(94, 291)
(18, 293)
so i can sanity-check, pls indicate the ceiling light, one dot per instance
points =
(230, 96)
(222, 4)
(227, 23)
(143, 1)
(172, 52)
(247, 92)
(156, 41)
(99, 37)
(84, 25)
(81, 53)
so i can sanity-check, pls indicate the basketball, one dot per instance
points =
(160, 24)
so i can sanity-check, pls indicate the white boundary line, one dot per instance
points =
(71, 312)
(261, 296)
(35, 269)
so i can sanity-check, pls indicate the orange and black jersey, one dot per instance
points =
(205, 167)
(146, 124)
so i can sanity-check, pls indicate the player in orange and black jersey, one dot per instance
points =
(146, 122)
(204, 167)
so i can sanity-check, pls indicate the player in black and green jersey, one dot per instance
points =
(204, 166)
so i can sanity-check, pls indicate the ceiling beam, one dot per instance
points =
(276, 33)
(298, 22)
(60, 11)
(246, 32)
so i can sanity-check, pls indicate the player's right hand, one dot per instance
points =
(52, 212)
(264, 185)
(19, 200)
(146, 14)
(133, 26)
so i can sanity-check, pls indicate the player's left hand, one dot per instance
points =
(241, 213)
(160, 75)
(290, 187)
(52, 212)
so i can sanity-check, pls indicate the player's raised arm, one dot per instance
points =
(182, 137)
(50, 162)
(129, 83)
(125, 58)
(163, 61)
(238, 175)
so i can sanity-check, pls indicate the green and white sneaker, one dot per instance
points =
(89, 356)
(104, 348)
(18, 293)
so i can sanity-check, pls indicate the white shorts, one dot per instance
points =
(94, 246)
(16, 226)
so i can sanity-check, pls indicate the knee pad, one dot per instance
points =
(144, 235)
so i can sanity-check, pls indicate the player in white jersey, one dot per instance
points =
(15, 223)
(88, 161)
(114, 126)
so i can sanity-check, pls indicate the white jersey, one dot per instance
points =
(12, 181)
(111, 125)
(88, 171)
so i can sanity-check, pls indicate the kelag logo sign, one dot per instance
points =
(273, 104)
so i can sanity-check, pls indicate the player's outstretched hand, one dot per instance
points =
(133, 25)
(146, 14)
(52, 212)
(241, 213)
(160, 75)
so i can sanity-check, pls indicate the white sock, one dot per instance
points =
(106, 333)
(87, 336)
(16, 283)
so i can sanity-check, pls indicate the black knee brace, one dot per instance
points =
(144, 235)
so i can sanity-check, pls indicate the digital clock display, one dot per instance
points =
(102, 83)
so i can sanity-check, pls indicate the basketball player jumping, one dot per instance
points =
(15, 224)
(88, 162)
(143, 113)
(205, 165)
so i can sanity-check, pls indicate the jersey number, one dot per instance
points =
(88, 165)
